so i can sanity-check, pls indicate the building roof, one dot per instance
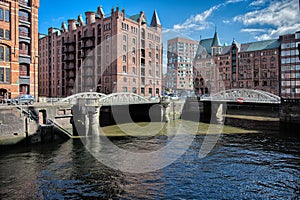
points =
(216, 42)
(261, 45)
(135, 17)
(204, 45)
(155, 20)
(41, 35)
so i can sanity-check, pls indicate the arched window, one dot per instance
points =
(124, 69)
(134, 90)
(272, 59)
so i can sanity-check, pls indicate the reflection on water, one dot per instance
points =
(241, 166)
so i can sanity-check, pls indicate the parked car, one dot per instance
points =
(24, 99)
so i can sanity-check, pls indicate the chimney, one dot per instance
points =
(90, 17)
(72, 24)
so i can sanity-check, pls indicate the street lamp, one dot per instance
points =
(34, 78)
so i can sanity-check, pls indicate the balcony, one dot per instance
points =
(24, 18)
(24, 52)
(69, 67)
(70, 84)
(24, 34)
(86, 37)
(24, 3)
(86, 46)
(70, 59)
(24, 73)
(68, 43)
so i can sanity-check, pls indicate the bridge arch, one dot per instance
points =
(246, 95)
(119, 98)
(123, 98)
(84, 95)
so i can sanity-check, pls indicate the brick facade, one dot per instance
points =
(250, 65)
(104, 54)
(18, 48)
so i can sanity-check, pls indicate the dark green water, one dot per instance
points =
(241, 166)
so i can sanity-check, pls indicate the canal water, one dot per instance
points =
(260, 163)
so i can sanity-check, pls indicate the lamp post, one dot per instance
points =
(34, 78)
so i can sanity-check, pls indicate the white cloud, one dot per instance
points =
(282, 16)
(252, 30)
(258, 3)
(199, 21)
(226, 21)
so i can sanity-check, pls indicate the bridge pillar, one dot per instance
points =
(165, 102)
(86, 115)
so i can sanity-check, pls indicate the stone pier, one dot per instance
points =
(290, 111)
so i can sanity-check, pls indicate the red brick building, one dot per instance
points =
(252, 65)
(18, 48)
(116, 53)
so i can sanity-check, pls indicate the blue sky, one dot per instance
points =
(243, 20)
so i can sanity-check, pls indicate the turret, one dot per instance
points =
(90, 17)
(71, 24)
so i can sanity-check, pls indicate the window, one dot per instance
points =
(124, 89)
(7, 54)
(7, 34)
(1, 74)
(1, 14)
(124, 58)
(134, 90)
(124, 69)
(1, 33)
(7, 16)
(1, 53)
(157, 91)
(7, 75)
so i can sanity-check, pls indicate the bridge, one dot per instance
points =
(119, 98)
(243, 96)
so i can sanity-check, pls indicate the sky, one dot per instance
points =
(241, 20)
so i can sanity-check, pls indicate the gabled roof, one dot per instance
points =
(135, 17)
(261, 45)
(204, 44)
(155, 20)
(225, 50)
